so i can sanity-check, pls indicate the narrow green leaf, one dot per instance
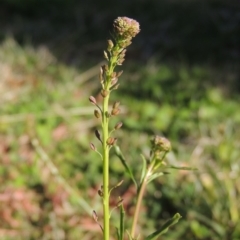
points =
(127, 168)
(155, 175)
(165, 227)
(183, 168)
(121, 225)
(218, 228)
(144, 168)
(129, 236)
(118, 234)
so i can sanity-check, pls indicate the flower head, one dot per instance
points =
(126, 27)
(160, 144)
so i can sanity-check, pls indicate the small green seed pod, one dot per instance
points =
(97, 113)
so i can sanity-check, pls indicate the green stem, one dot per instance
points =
(105, 120)
(106, 148)
(105, 129)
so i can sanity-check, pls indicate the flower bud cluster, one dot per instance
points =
(160, 144)
(124, 30)
(126, 27)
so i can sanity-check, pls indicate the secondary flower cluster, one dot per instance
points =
(159, 145)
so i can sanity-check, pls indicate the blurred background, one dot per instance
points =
(181, 80)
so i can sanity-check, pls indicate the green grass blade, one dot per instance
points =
(218, 228)
(165, 227)
(121, 227)
(155, 175)
(118, 233)
(183, 168)
(127, 168)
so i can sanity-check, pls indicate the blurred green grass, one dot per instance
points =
(200, 119)
(44, 96)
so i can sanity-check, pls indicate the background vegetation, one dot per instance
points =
(181, 79)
